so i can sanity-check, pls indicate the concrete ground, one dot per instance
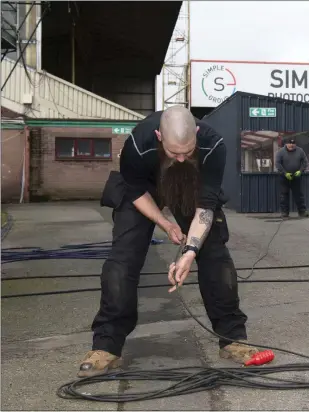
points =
(45, 337)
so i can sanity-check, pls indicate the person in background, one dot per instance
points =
(291, 163)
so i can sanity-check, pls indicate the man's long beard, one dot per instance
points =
(178, 184)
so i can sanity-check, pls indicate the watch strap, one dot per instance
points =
(190, 247)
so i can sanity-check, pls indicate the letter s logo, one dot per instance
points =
(219, 84)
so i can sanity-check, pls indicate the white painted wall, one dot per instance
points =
(275, 31)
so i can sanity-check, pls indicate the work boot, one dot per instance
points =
(303, 213)
(238, 352)
(284, 215)
(98, 362)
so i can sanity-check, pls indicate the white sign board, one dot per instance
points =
(212, 82)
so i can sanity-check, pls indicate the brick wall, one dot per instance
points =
(12, 153)
(75, 179)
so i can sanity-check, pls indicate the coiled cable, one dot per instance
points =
(192, 379)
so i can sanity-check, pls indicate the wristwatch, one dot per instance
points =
(189, 247)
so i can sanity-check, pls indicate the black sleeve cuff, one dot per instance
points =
(133, 193)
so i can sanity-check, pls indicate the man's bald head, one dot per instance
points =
(177, 126)
(177, 133)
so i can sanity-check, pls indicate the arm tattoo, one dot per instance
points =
(195, 241)
(205, 218)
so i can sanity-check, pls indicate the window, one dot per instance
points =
(64, 148)
(258, 150)
(83, 148)
(102, 148)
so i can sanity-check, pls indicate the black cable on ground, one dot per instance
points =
(162, 285)
(101, 250)
(232, 340)
(95, 275)
(187, 380)
(265, 254)
(194, 379)
(89, 251)
(191, 379)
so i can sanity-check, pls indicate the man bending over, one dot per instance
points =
(172, 160)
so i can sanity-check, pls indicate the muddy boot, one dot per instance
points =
(98, 362)
(237, 352)
(303, 213)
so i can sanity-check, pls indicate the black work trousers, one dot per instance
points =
(132, 233)
(298, 196)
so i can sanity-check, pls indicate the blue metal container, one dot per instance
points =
(256, 192)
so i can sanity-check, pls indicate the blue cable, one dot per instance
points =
(7, 227)
(98, 250)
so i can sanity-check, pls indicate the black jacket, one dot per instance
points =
(139, 161)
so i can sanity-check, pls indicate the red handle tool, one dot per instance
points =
(260, 358)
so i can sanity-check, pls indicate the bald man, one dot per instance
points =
(170, 159)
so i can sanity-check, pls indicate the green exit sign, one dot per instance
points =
(263, 112)
(121, 130)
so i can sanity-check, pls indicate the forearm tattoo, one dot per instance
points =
(205, 217)
(195, 241)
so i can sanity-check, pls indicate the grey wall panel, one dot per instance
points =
(224, 121)
(260, 193)
(291, 116)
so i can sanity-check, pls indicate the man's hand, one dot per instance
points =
(297, 174)
(289, 176)
(174, 233)
(147, 206)
(179, 271)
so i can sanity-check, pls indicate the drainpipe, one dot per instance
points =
(38, 38)
(26, 171)
(73, 52)
(188, 94)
